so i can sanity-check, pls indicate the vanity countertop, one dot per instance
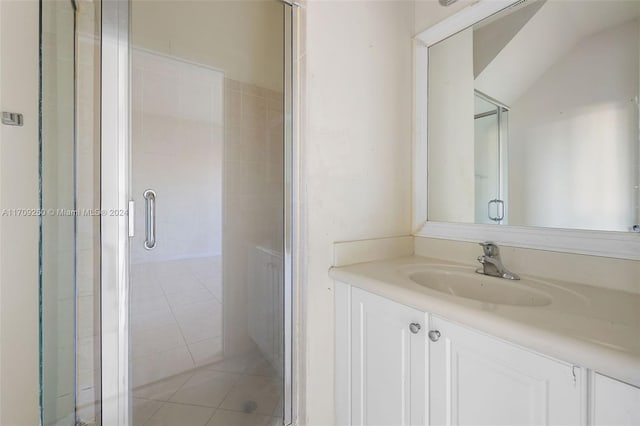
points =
(592, 327)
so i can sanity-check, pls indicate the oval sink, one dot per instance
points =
(481, 287)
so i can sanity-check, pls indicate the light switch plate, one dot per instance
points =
(12, 118)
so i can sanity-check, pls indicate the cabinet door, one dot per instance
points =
(388, 362)
(479, 380)
(614, 403)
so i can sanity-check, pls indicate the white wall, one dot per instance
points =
(243, 38)
(356, 143)
(573, 137)
(19, 235)
(451, 161)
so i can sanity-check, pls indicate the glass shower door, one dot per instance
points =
(490, 160)
(207, 168)
(70, 218)
(57, 225)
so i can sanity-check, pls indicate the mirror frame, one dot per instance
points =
(622, 245)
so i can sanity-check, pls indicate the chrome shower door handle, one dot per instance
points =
(150, 230)
(500, 204)
(499, 210)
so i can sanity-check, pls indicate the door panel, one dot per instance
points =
(58, 200)
(387, 361)
(207, 136)
(479, 380)
(614, 403)
(177, 152)
(490, 160)
(487, 171)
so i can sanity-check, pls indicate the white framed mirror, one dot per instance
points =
(527, 126)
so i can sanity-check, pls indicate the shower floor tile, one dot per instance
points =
(171, 414)
(249, 395)
(178, 375)
(164, 389)
(206, 387)
(238, 364)
(235, 418)
(143, 409)
(254, 394)
(176, 319)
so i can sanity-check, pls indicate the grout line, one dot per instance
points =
(204, 284)
(197, 278)
(211, 418)
(157, 382)
(178, 324)
(164, 294)
(152, 414)
(188, 404)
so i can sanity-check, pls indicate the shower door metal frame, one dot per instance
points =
(291, 171)
(116, 228)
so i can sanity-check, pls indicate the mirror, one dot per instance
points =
(533, 118)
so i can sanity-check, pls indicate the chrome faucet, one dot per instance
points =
(492, 264)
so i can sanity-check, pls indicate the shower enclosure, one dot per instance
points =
(58, 195)
(174, 306)
(490, 159)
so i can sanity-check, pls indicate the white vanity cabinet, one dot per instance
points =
(614, 402)
(381, 360)
(390, 372)
(475, 379)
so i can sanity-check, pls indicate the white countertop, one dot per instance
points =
(588, 326)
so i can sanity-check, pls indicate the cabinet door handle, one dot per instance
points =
(414, 327)
(434, 335)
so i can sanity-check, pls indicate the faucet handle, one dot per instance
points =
(490, 249)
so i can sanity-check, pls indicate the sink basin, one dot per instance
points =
(469, 285)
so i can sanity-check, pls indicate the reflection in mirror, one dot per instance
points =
(533, 118)
(490, 132)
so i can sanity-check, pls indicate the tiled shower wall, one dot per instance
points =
(252, 197)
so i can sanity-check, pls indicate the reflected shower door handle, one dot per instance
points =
(499, 210)
(150, 207)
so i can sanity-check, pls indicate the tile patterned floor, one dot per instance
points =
(178, 377)
(176, 317)
(244, 391)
